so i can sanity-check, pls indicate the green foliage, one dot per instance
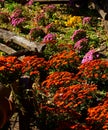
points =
(62, 89)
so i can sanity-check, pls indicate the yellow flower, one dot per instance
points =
(1, 53)
(73, 21)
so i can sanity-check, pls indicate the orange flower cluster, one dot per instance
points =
(98, 116)
(74, 97)
(9, 63)
(94, 71)
(57, 79)
(64, 61)
(32, 65)
(10, 68)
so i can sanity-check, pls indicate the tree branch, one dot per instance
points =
(6, 49)
(8, 36)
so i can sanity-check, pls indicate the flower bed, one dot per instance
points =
(66, 84)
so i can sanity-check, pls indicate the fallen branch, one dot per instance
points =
(8, 36)
(6, 49)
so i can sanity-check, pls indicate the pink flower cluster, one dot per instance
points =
(89, 56)
(16, 18)
(86, 20)
(80, 44)
(78, 34)
(17, 21)
(30, 2)
(49, 37)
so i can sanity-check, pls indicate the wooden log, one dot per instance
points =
(8, 36)
(6, 49)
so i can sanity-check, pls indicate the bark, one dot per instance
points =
(6, 49)
(8, 36)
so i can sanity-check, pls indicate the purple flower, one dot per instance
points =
(86, 20)
(16, 13)
(17, 21)
(49, 37)
(80, 44)
(90, 56)
(30, 2)
(16, 17)
(78, 34)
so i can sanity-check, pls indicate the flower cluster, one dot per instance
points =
(73, 21)
(69, 91)
(86, 20)
(90, 55)
(76, 97)
(95, 71)
(64, 61)
(78, 34)
(10, 69)
(57, 79)
(49, 38)
(30, 2)
(17, 18)
(17, 21)
(98, 116)
(81, 45)
(32, 65)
